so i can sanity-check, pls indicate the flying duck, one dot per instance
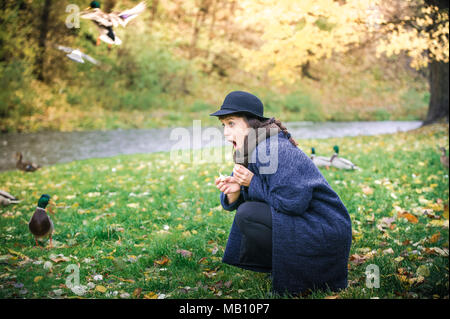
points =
(107, 21)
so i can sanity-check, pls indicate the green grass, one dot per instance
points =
(112, 215)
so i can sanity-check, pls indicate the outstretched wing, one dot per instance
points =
(98, 17)
(64, 49)
(90, 59)
(126, 16)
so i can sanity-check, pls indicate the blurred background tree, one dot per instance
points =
(324, 60)
(296, 34)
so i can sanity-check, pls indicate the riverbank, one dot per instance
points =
(142, 226)
(47, 148)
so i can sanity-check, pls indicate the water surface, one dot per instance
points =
(46, 148)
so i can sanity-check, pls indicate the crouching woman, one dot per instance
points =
(289, 221)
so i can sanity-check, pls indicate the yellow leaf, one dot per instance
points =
(37, 278)
(100, 288)
(435, 206)
(18, 254)
(162, 261)
(151, 295)
(108, 257)
(423, 271)
(398, 259)
(437, 222)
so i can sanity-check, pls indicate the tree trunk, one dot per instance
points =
(198, 24)
(438, 107)
(42, 39)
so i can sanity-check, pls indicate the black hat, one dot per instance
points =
(239, 101)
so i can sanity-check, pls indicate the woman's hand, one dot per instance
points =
(227, 185)
(242, 175)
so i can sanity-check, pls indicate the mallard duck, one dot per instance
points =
(7, 199)
(106, 21)
(340, 162)
(76, 55)
(25, 166)
(319, 161)
(444, 157)
(40, 224)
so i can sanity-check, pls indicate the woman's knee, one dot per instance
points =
(251, 211)
(243, 213)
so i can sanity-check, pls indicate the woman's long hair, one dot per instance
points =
(256, 124)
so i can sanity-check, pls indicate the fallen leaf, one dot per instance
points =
(151, 295)
(104, 215)
(37, 278)
(435, 237)
(438, 223)
(437, 251)
(423, 271)
(18, 254)
(228, 283)
(184, 253)
(60, 259)
(398, 259)
(137, 292)
(411, 218)
(367, 190)
(93, 194)
(123, 279)
(162, 261)
(125, 295)
(100, 288)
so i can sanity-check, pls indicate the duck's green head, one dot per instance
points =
(336, 149)
(95, 5)
(43, 201)
(313, 150)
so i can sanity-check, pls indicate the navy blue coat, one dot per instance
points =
(311, 228)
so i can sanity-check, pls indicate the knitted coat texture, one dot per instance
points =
(311, 227)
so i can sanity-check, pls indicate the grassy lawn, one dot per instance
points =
(143, 226)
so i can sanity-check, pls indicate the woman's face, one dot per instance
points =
(235, 129)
